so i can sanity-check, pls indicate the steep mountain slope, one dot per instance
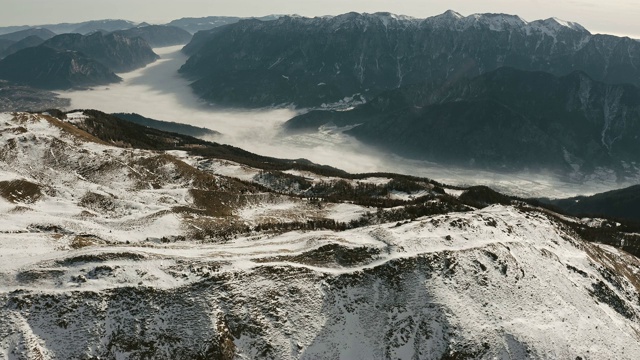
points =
(4, 44)
(23, 34)
(117, 52)
(158, 35)
(309, 62)
(10, 29)
(27, 42)
(110, 257)
(504, 119)
(167, 125)
(47, 68)
(621, 204)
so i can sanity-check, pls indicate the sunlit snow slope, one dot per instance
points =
(109, 252)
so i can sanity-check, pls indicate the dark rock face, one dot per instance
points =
(504, 119)
(158, 35)
(117, 52)
(309, 62)
(48, 68)
(194, 25)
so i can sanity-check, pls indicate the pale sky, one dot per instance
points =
(618, 17)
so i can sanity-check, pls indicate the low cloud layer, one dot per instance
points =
(159, 92)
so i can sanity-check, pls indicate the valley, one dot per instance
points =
(159, 92)
(363, 185)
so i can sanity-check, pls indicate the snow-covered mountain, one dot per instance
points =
(313, 61)
(119, 241)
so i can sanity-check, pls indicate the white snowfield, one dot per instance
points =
(90, 279)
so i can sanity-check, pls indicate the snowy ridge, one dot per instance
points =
(449, 19)
(99, 258)
(502, 22)
(447, 284)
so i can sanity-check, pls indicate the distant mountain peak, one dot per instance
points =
(567, 24)
(502, 22)
(452, 14)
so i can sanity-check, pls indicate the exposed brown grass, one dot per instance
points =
(69, 128)
(82, 241)
(14, 130)
(20, 191)
(615, 264)
(97, 202)
(149, 171)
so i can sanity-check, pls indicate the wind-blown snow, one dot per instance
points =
(499, 277)
(501, 282)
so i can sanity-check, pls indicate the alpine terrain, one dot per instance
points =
(135, 225)
(122, 241)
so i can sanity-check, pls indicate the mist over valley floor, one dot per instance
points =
(158, 91)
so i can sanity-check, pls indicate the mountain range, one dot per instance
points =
(43, 34)
(74, 60)
(16, 41)
(313, 61)
(195, 25)
(83, 28)
(116, 51)
(47, 68)
(190, 24)
(158, 35)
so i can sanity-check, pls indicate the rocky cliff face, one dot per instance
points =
(308, 62)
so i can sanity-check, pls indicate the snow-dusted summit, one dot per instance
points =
(501, 22)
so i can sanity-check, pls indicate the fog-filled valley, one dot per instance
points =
(158, 91)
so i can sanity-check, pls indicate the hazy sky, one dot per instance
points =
(611, 16)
